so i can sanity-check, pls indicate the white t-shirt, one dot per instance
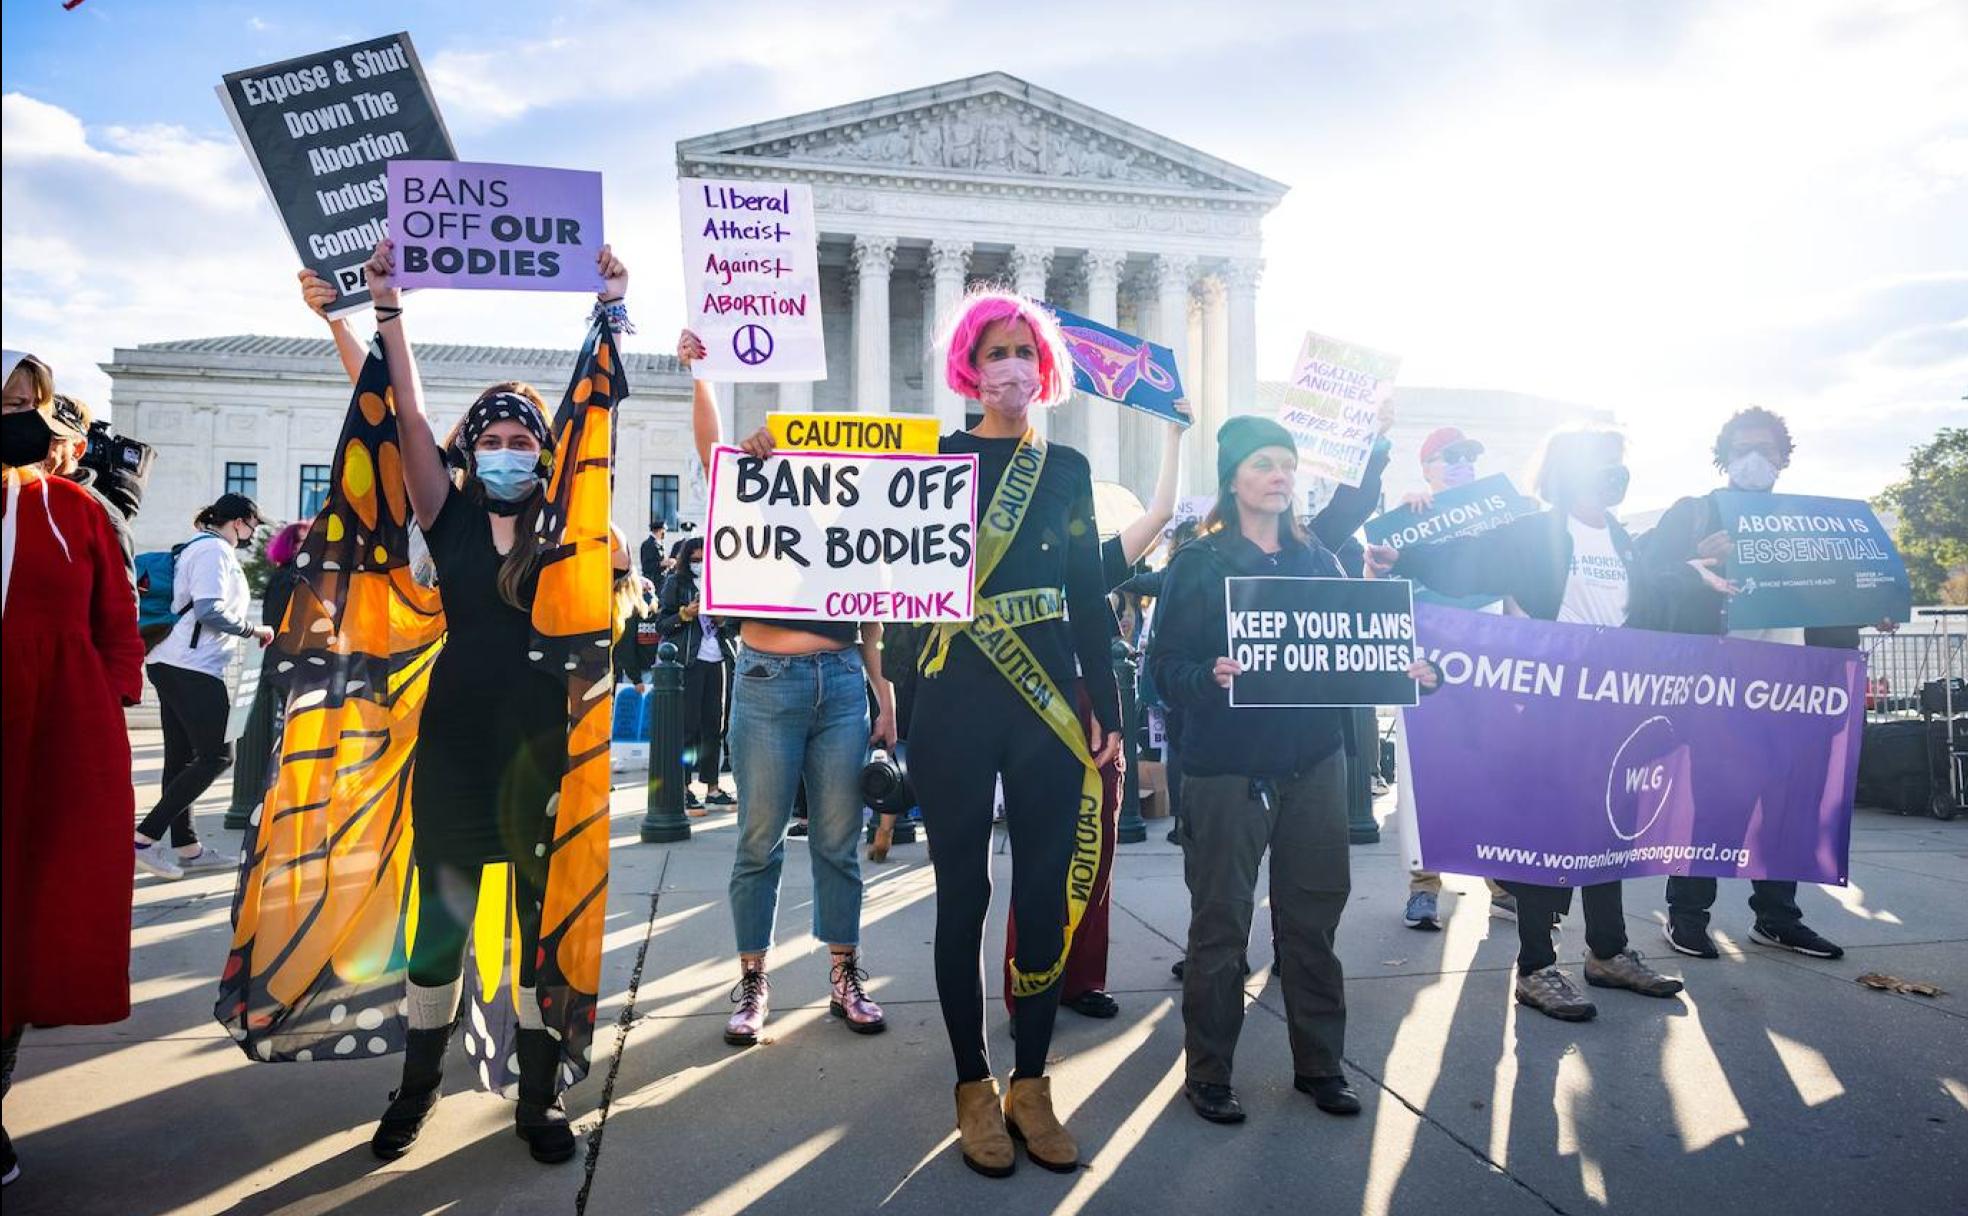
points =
(206, 570)
(707, 646)
(1595, 590)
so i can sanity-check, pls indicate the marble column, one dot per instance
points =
(1240, 296)
(1103, 418)
(874, 257)
(1030, 267)
(948, 260)
(795, 396)
(1172, 273)
(1215, 406)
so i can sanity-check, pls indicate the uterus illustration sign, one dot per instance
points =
(1121, 367)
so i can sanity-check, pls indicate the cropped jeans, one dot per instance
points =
(794, 718)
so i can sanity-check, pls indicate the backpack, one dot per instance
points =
(156, 591)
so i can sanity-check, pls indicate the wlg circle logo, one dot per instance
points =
(1647, 769)
(752, 344)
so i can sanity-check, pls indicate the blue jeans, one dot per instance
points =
(793, 717)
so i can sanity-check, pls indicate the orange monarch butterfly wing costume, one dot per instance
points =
(572, 633)
(326, 901)
(325, 884)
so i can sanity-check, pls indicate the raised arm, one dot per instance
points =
(318, 293)
(424, 474)
(705, 427)
(1140, 536)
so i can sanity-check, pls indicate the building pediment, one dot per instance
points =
(989, 128)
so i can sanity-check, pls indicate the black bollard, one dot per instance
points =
(252, 757)
(1132, 829)
(665, 822)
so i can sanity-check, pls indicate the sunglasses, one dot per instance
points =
(1456, 456)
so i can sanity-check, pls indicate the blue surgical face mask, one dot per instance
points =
(507, 475)
(1460, 473)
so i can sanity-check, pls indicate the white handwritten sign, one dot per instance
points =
(751, 279)
(1332, 405)
(839, 536)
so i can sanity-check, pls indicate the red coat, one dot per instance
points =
(70, 659)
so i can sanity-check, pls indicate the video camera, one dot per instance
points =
(885, 785)
(121, 466)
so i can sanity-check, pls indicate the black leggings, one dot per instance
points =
(969, 728)
(194, 708)
(447, 900)
(703, 719)
(1605, 921)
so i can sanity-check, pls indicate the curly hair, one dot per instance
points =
(1755, 415)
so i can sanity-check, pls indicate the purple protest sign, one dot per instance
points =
(1568, 754)
(502, 227)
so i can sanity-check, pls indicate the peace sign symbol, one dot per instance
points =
(752, 344)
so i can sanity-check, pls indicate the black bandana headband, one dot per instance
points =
(503, 407)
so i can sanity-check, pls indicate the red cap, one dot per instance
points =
(1444, 437)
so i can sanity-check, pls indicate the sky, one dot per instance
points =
(1669, 210)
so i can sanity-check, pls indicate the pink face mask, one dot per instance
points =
(1008, 385)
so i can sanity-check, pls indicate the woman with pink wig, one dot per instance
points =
(995, 703)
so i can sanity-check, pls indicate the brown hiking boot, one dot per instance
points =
(1552, 993)
(1028, 1117)
(1626, 970)
(981, 1135)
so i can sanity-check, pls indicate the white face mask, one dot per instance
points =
(1752, 471)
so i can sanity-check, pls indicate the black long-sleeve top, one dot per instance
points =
(1192, 632)
(1058, 546)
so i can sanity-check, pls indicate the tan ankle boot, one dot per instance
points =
(1028, 1117)
(981, 1135)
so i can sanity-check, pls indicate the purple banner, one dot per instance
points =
(499, 227)
(1569, 754)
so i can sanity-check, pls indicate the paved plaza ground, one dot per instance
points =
(1774, 1084)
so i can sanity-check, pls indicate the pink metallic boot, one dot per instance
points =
(753, 997)
(850, 1001)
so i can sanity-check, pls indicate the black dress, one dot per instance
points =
(492, 742)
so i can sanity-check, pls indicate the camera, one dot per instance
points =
(885, 785)
(121, 466)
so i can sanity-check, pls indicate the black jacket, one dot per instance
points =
(680, 589)
(1191, 632)
(1676, 599)
(1527, 559)
(1351, 506)
(650, 559)
(118, 521)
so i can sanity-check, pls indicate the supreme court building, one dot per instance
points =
(917, 196)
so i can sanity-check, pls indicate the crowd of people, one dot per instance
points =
(1011, 718)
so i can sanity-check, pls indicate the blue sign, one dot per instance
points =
(1807, 561)
(1470, 510)
(1121, 367)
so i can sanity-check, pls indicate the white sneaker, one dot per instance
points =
(160, 859)
(206, 860)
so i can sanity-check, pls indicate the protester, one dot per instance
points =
(188, 669)
(635, 638)
(263, 719)
(1448, 462)
(799, 716)
(70, 659)
(1255, 779)
(705, 644)
(1684, 556)
(984, 715)
(1083, 985)
(1572, 563)
(492, 742)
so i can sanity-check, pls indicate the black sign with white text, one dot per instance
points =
(1320, 642)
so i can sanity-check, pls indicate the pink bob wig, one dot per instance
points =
(981, 309)
(286, 543)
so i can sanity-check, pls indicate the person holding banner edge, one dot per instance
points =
(1684, 554)
(1255, 780)
(477, 500)
(799, 715)
(1448, 462)
(1572, 563)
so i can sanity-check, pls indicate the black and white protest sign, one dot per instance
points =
(320, 131)
(1317, 642)
(841, 536)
